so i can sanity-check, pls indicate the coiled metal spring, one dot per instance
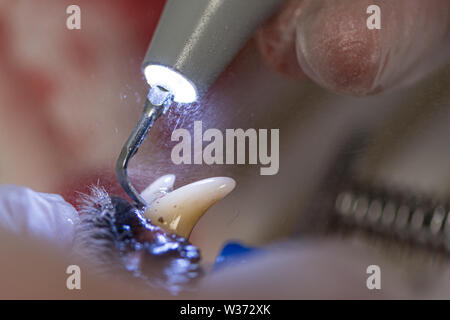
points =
(415, 219)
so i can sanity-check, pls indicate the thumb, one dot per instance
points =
(335, 47)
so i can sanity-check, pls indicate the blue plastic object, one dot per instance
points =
(234, 253)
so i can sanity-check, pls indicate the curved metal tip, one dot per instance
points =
(151, 113)
(124, 180)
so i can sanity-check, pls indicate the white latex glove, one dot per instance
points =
(38, 215)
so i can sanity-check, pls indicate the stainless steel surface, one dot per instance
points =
(150, 114)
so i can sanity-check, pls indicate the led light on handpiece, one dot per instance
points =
(160, 76)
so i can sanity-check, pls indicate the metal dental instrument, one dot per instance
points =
(192, 45)
(156, 104)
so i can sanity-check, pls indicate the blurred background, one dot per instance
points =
(70, 98)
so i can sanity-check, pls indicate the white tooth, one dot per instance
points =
(158, 188)
(179, 210)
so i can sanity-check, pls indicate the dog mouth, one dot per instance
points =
(151, 245)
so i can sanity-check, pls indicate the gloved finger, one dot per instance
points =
(307, 270)
(30, 270)
(336, 49)
(37, 215)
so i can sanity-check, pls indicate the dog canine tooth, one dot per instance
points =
(158, 188)
(179, 211)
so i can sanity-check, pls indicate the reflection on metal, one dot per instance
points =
(152, 111)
